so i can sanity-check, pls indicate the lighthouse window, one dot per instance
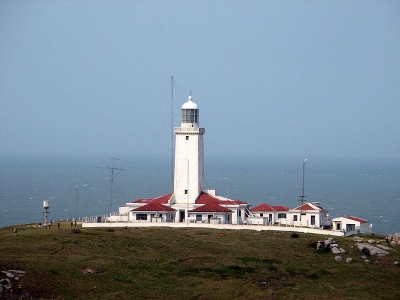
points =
(187, 137)
(190, 115)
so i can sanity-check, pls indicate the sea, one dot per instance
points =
(78, 186)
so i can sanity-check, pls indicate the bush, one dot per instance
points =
(294, 235)
(366, 251)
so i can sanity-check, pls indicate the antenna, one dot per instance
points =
(172, 132)
(302, 200)
(112, 179)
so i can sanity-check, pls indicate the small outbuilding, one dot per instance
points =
(351, 225)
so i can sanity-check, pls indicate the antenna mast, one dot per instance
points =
(302, 200)
(172, 133)
(112, 180)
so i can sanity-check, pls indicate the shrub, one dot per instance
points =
(366, 251)
(294, 235)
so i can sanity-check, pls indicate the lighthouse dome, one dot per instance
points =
(189, 104)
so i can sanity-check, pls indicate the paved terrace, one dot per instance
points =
(213, 226)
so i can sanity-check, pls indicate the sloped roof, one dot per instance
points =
(263, 207)
(308, 206)
(356, 219)
(162, 199)
(153, 206)
(280, 208)
(211, 207)
(205, 198)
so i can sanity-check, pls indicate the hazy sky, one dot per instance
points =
(271, 78)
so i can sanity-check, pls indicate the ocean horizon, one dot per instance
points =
(80, 185)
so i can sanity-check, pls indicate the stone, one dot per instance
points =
(349, 260)
(371, 241)
(393, 243)
(319, 245)
(327, 243)
(338, 258)
(367, 260)
(396, 237)
(10, 275)
(396, 263)
(335, 250)
(364, 257)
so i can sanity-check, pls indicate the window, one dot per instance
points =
(312, 220)
(141, 216)
(186, 192)
(295, 218)
(261, 214)
(187, 137)
(199, 218)
(281, 216)
(190, 116)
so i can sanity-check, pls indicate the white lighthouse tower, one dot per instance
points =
(189, 156)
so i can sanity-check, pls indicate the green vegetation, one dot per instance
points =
(167, 263)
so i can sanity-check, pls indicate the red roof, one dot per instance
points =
(205, 198)
(211, 207)
(263, 207)
(307, 206)
(357, 219)
(153, 206)
(280, 208)
(162, 199)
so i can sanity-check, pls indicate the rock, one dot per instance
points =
(364, 257)
(371, 241)
(373, 250)
(367, 260)
(334, 245)
(396, 263)
(335, 250)
(327, 243)
(10, 275)
(319, 245)
(396, 237)
(357, 239)
(338, 258)
(349, 260)
(393, 243)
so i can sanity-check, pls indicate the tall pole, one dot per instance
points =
(302, 200)
(172, 133)
(302, 191)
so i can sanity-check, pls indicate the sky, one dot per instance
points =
(293, 78)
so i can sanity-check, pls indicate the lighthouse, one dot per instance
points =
(189, 156)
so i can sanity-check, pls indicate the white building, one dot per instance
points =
(351, 225)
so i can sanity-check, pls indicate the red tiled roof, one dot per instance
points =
(153, 206)
(263, 207)
(280, 208)
(162, 199)
(211, 207)
(356, 219)
(307, 206)
(205, 198)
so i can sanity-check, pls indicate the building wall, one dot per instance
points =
(189, 164)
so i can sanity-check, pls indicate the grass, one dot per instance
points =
(168, 263)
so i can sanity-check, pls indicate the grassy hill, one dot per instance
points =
(167, 263)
